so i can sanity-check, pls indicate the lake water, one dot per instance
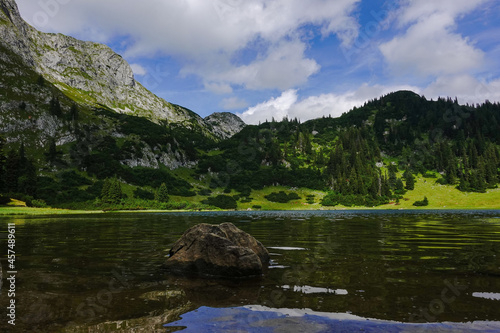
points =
(335, 271)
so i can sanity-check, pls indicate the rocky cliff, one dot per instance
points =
(225, 124)
(91, 73)
(78, 95)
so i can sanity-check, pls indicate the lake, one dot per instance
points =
(331, 271)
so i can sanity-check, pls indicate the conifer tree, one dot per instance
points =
(55, 107)
(410, 180)
(74, 113)
(111, 191)
(12, 171)
(115, 191)
(27, 181)
(162, 193)
(2, 164)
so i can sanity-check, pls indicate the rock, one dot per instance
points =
(225, 124)
(94, 75)
(217, 251)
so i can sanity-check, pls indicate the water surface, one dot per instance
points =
(402, 270)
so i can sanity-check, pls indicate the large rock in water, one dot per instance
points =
(217, 250)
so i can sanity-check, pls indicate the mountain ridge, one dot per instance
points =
(90, 73)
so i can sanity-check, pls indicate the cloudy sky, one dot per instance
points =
(275, 58)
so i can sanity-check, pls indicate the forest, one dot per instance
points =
(367, 157)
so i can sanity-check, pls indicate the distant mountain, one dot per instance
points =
(225, 124)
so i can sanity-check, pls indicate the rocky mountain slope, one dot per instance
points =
(225, 124)
(89, 73)
(77, 96)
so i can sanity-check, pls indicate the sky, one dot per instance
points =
(264, 59)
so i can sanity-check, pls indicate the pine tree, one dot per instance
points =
(12, 171)
(115, 191)
(2, 164)
(111, 191)
(392, 176)
(162, 193)
(473, 155)
(55, 107)
(40, 80)
(27, 181)
(451, 172)
(410, 180)
(463, 184)
(52, 154)
(74, 113)
(399, 187)
(105, 190)
(385, 188)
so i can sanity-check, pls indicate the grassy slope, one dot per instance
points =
(440, 197)
(41, 211)
(448, 197)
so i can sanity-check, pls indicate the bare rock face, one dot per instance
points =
(217, 251)
(225, 124)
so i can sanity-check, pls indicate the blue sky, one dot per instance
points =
(274, 58)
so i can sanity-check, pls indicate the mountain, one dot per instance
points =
(89, 73)
(371, 154)
(76, 96)
(225, 124)
(75, 124)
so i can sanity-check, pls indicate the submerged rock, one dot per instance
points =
(217, 250)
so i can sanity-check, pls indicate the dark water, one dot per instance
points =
(330, 272)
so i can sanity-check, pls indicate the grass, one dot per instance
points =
(439, 196)
(20, 210)
(447, 197)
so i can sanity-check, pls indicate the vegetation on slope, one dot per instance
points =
(377, 155)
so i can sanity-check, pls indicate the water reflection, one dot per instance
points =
(102, 273)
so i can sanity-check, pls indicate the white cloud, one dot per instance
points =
(418, 10)
(288, 104)
(429, 46)
(284, 66)
(138, 69)
(233, 103)
(467, 88)
(219, 88)
(276, 108)
(203, 32)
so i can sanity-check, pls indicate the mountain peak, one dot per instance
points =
(225, 124)
(9, 10)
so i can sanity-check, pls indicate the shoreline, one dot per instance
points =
(30, 211)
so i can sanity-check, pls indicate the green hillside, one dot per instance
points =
(366, 158)
(71, 139)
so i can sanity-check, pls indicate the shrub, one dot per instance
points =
(310, 199)
(422, 203)
(205, 192)
(282, 197)
(256, 207)
(39, 203)
(4, 200)
(222, 201)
